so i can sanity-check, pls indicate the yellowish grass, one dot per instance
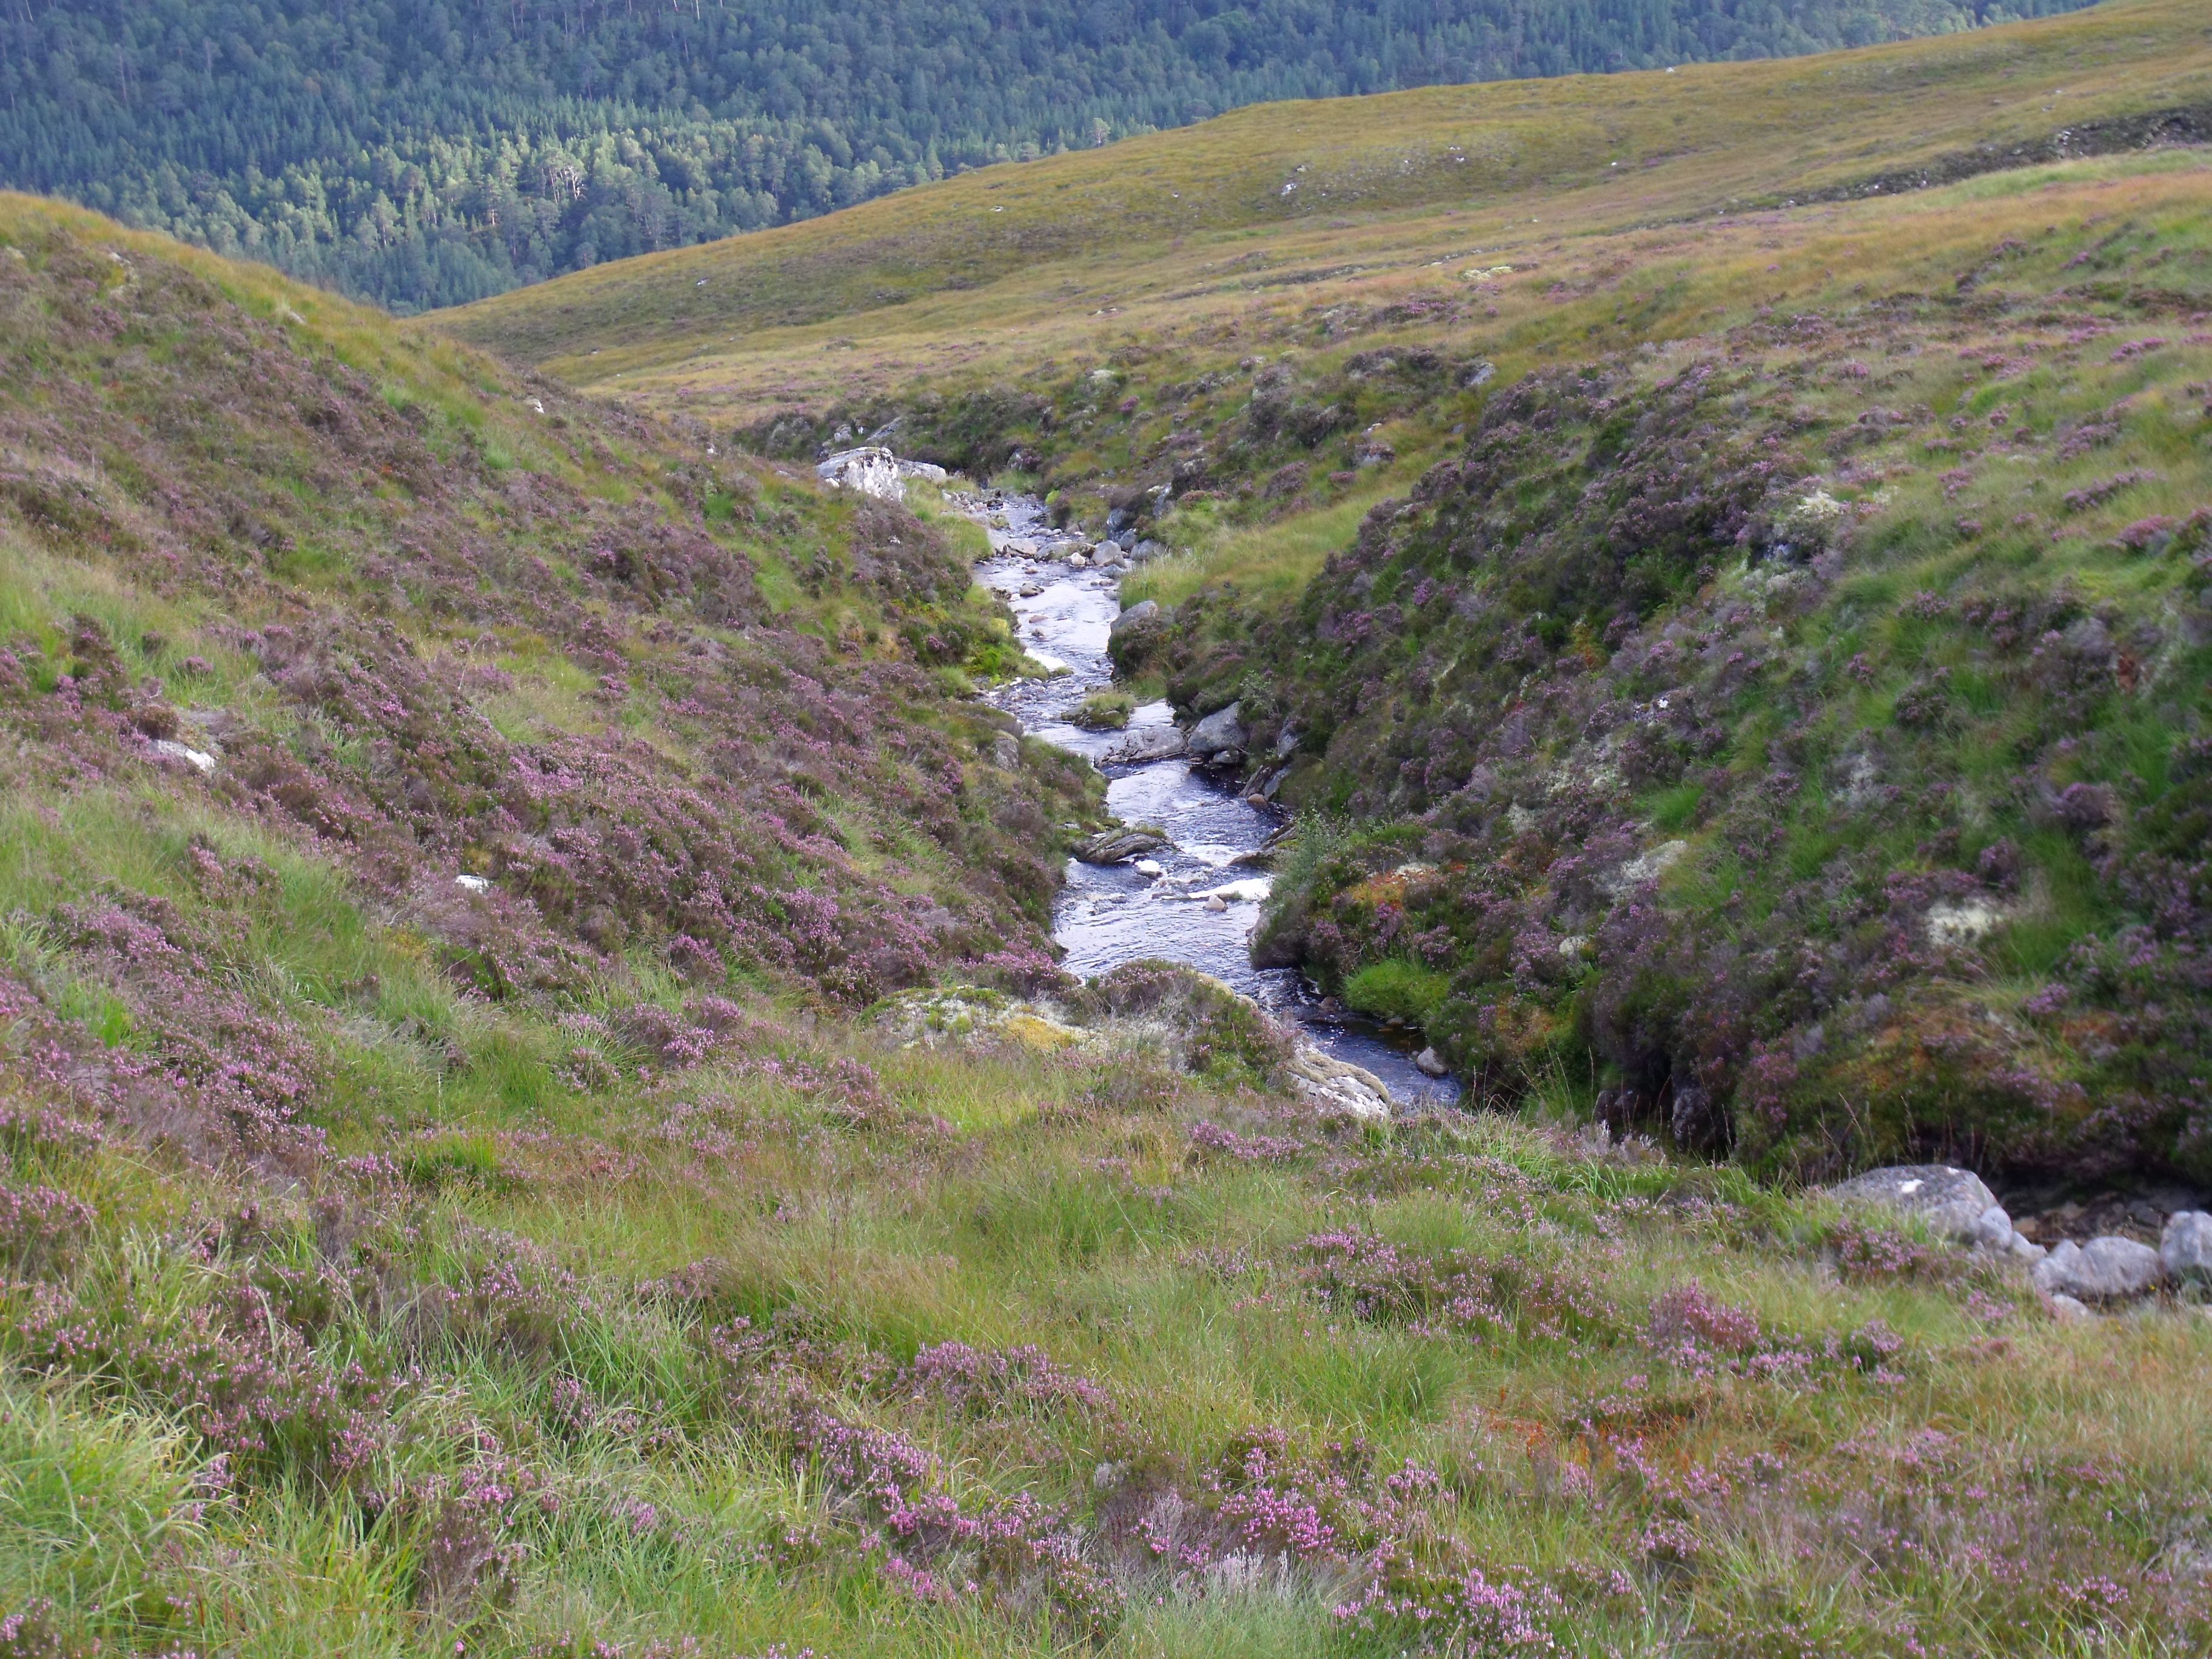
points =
(1277, 194)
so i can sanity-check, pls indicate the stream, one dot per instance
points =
(1112, 913)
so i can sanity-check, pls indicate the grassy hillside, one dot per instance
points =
(1459, 511)
(1282, 193)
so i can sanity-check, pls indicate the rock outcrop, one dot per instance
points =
(874, 470)
(1220, 737)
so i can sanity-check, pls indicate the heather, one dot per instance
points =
(742, 1349)
(1789, 738)
(1740, 682)
(536, 1113)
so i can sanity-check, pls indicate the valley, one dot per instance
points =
(599, 1053)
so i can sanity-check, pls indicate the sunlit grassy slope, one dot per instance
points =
(1276, 193)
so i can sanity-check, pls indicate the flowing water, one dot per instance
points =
(1111, 914)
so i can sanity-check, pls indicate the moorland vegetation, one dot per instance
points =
(1742, 668)
(537, 1116)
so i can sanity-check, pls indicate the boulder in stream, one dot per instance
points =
(1220, 733)
(1129, 842)
(1155, 743)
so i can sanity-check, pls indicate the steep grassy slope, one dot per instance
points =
(287, 592)
(1246, 202)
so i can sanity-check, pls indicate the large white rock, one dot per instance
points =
(2105, 1269)
(2185, 1247)
(1953, 1202)
(1330, 1085)
(874, 470)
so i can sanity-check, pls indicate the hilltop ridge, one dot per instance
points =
(1301, 191)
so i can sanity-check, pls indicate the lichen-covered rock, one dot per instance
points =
(2185, 1247)
(871, 470)
(1330, 1085)
(2107, 1269)
(1951, 1202)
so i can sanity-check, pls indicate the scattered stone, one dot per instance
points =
(2185, 1247)
(1951, 1202)
(1431, 1064)
(474, 884)
(2105, 1269)
(1112, 846)
(2068, 1311)
(1215, 901)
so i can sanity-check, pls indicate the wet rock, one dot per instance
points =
(1430, 1063)
(1951, 1202)
(1219, 732)
(1154, 743)
(1142, 611)
(2185, 1247)
(2105, 1269)
(1112, 846)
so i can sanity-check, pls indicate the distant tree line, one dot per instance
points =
(422, 153)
